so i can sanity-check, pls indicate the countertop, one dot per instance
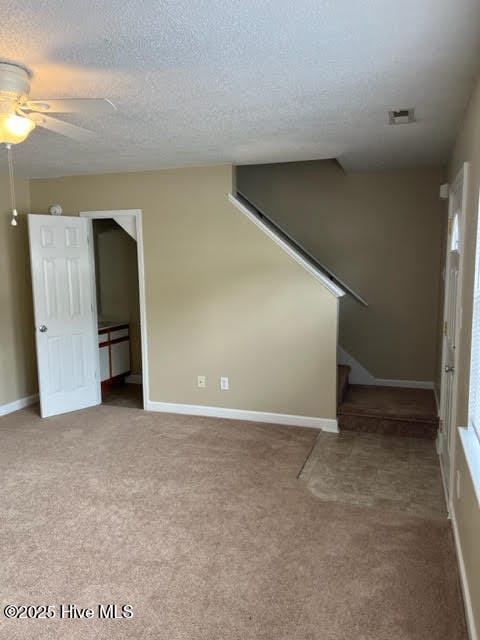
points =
(108, 324)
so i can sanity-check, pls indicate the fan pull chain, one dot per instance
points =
(13, 221)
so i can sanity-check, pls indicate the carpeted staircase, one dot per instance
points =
(387, 410)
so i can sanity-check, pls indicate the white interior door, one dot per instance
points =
(451, 326)
(449, 342)
(65, 313)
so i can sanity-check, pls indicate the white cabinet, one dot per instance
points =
(114, 346)
(120, 353)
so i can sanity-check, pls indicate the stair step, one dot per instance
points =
(389, 411)
(343, 371)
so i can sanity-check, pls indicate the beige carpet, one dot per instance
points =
(375, 470)
(202, 526)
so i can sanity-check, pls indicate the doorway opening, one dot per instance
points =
(118, 312)
(117, 254)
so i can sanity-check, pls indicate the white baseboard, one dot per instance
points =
(409, 384)
(18, 404)
(324, 424)
(134, 378)
(467, 599)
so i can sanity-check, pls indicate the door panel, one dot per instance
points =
(451, 316)
(74, 287)
(450, 346)
(65, 318)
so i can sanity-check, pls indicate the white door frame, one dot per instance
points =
(137, 214)
(460, 182)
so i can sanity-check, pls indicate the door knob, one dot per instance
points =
(42, 328)
(449, 369)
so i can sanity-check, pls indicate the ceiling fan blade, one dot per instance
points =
(71, 105)
(63, 128)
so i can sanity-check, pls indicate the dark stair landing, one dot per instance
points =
(388, 410)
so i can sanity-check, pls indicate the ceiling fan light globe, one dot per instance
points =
(14, 129)
(14, 78)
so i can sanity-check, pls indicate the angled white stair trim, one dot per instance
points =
(408, 384)
(303, 251)
(10, 407)
(360, 375)
(337, 291)
(324, 424)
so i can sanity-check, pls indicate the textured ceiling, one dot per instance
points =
(246, 81)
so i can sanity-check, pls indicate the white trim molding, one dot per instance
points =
(10, 407)
(409, 384)
(324, 424)
(337, 291)
(457, 203)
(467, 598)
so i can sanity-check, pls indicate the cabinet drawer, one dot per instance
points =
(119, 333)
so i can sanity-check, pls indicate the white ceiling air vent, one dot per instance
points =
(401, 116)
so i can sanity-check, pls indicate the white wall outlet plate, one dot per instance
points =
(444, 191)
(224, 383)
(201, 382)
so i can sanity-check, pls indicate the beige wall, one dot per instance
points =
(380, 232)
(467, 511)
(17, 347)
(222, 299)
(117, 282)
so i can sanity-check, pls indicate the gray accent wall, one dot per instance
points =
(381, 233)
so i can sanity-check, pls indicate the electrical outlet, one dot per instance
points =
(201, 382)
(224, 384)
(458, 485)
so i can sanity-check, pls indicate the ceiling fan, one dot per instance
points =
(19, 115)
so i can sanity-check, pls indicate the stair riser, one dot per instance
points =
(385, 426)
(342, 383)
(342, 390)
